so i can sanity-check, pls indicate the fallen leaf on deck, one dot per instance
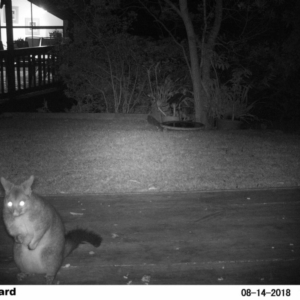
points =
(146, 279)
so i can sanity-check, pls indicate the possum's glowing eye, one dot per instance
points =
(22, 203)
(9, 204)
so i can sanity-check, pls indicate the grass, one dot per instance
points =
(91, 155)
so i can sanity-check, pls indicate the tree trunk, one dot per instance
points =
(201, 75)
(208, 47)
(195, 66)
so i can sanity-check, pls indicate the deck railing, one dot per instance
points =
(34, 69)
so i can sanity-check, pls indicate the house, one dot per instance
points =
(26, 14)
(33, 26)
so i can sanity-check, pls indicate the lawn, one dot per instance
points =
(70, 153)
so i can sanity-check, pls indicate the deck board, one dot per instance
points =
(234, 237)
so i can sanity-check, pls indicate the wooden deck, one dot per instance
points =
(235, 237)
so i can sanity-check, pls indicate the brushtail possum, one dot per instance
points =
(40, 242)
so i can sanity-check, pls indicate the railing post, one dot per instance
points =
(10, 69)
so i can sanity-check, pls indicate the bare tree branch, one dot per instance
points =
(217, 24)
(169, 32)
(174, 7)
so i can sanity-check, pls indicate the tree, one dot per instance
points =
(199, 64)
(230, 38)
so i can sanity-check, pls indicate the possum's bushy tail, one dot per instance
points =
(80, 236)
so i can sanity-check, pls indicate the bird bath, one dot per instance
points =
(182, 125)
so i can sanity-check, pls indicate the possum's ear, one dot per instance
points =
(26, 185)
(6, 185)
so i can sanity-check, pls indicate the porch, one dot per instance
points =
(29, 33)
(27, 70)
